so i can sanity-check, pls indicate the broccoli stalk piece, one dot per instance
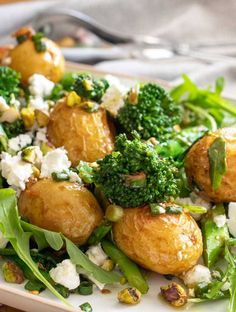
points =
(150, 111)
(9, 82)
(134, 174)
(90, 88)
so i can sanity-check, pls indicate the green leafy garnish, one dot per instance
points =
(39, 44)
(19, 234)
(86, 172)
(12, 230)
(217, 160)
(9, 82)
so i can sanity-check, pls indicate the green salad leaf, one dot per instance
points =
(19, 233)
(20, 240)
(217, 160)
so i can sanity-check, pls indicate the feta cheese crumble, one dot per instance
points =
(40, 85)
(198, 274)
(54, 161)
(15, 170)
(220, 220)
(40, 136)
(65, 274)
(96, 255)
(73, 177)
(232, 218)
(39, 104)
(3, 241)
(19, 142)
(113, 99)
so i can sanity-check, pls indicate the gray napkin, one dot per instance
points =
(180, 21)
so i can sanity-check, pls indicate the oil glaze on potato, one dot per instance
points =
(26, 60)
(166, 244)
(63, 207)
(198, 168)
(86, 136)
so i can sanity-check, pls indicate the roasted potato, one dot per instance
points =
(86, 136)
(63, 207)
(198, 167)
(166, 243)
(26, 60)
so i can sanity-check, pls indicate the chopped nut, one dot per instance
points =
(10, 115)
(34, 292)
(88, 84)
(28, 32)
(108, 265)
(36, 172)
(46, 147)
(73, 99)
(174, 294)
(41, 118)
(133, 96)
(12, 273)
(129, 295)
(28, 117)
(123, 280)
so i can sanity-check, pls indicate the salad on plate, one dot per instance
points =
(103, 182)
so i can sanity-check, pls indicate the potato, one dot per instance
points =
(198, 168)
(63, 207)
(86, 136)
(26, 60)
(166, 243)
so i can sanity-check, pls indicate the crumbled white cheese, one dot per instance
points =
(232, 218)
(15, 170)
(113, 99)
(54, 161)
(220, 220)
(73, 177)
(40, 85)
(198, 274)
(19, 142)
(65, 274)
(96, 255)
(39, 104)
(40, 136)
(3, 241)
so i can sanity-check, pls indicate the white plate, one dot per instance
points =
(15, 295)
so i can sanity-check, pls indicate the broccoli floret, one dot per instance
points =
(9, 82)
(134, 174)
(13, 129)
(90, 88)
(150, 111)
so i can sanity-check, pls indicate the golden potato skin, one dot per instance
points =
(198, 168)
(166, 244)
(63, 207)
(26, 60)
(86, 136)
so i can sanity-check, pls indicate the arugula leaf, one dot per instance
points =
(12, 230)
(217, 160)
(232, 279)
(210, 101)
(56, 240)
(44, 238)
(79, 258)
